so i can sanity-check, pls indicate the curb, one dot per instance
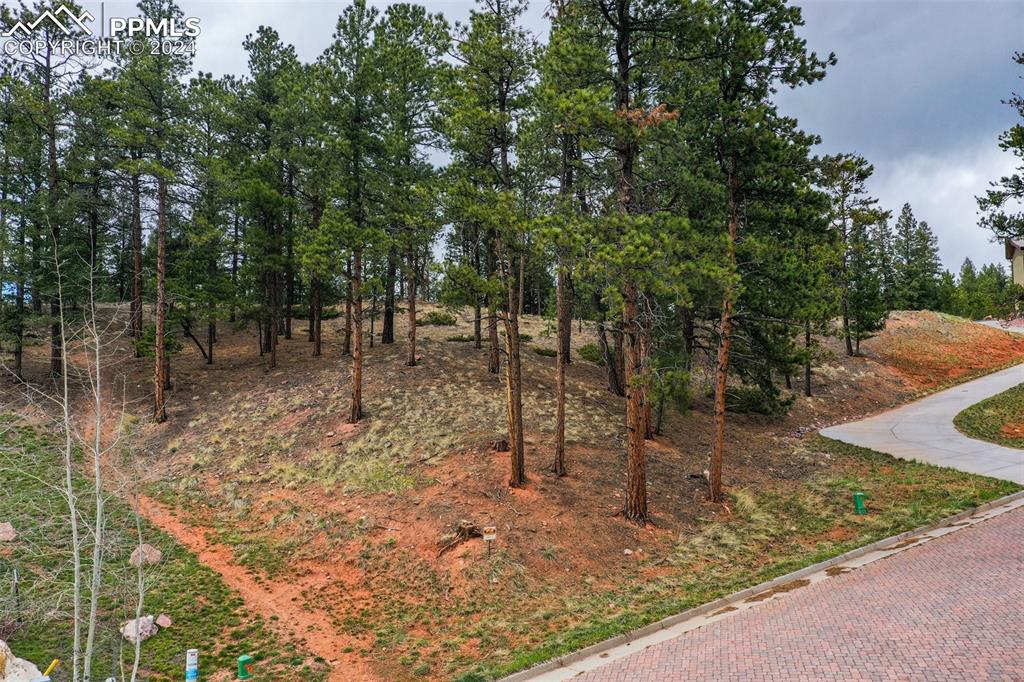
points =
(657, 626)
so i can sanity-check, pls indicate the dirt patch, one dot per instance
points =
(336, 528)
(1013, 430)
(283, 603)
(780, 589)
(929, 350)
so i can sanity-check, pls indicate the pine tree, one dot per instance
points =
(153, 93)
(757, 47)
(843, 178)
(916, 262)
(1000, 206)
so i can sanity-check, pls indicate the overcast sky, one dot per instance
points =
(918, 89)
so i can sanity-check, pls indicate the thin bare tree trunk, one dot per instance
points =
(99, 521)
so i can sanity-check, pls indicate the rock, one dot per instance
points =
(627, 552)
(14, 669)
(139, 629)
(146, 555)
(164, 621)
(7, 533)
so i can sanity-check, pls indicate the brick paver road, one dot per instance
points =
(951, 609)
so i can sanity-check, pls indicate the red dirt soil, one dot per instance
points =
(264, 455)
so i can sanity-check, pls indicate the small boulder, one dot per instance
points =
(14, 669)
(164, 621)
(146, 555)
(7, 533)
(139, 629)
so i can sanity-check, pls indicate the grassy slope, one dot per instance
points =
(254, 462)
(999, 419)
(204, 612)
(770, 534)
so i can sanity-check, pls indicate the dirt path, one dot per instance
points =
(285, 600)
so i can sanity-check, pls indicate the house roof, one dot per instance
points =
(1012, 245)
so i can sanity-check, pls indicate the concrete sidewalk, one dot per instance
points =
(923, 430)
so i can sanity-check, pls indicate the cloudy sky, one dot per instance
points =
(918, 89)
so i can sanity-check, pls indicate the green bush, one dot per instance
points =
(546, 352)
(327, 314)
(757, 400)
(525, 338)
(437, 318)
(591, 353)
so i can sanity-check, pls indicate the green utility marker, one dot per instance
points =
(245, 662)
(858, 503)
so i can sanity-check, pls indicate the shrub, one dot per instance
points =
(546, 352)
(758, 400)
(461, 338)
(437, 318)
(329, 313)
(591, 353)
(525, 338)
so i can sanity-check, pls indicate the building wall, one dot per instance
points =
(1018, 266)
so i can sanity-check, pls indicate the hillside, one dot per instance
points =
(345, 538)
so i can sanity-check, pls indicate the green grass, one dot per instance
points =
(771, 533)
(985, 420)
(206, 614)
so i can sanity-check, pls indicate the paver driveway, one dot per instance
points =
(950, 609)
(923, 430)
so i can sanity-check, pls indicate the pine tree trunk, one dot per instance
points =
(310, 335)
(160, 365)
(387, 333)
(514, 394)
(411, 289)
(19, 306)
(356, 411)
(807, 360)
(564, 308)
(211, 335)
(52, 181)
(561, 359)
(315, 316)
(847, 337)
(610, 365)
(636, 455)
(686, 319)
(136, 306)
(722, 366)
(347, 342)
(477, 327)
(522, 284)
